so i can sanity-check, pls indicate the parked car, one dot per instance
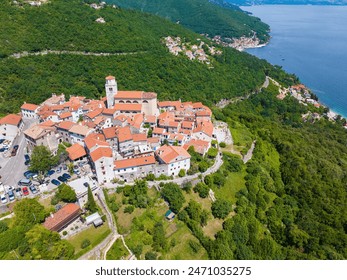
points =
(55, 182)
(29, 174)
(2, 140)
(13, 152)
(15, 147)
(62, 179)
(59, 169)
(11, 195)
(77, 172)
(18, 192)
(50, 172)
(26, 156)
(66, 176)
(33, 189)
(2, 150)
(64, 166)
(3, 198)
(27, 162)
(25, 191)
(24, 182)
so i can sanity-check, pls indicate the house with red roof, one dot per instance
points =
(10, 126)
(102, 161)
(133, 168)
(76, 152)
(171, 160)
(29, 111)
(63, 217)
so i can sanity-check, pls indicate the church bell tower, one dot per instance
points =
(111, 90)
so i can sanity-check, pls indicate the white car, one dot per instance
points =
(3, 199)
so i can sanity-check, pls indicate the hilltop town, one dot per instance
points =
(126, 135)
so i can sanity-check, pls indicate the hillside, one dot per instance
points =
(137, 57)
(286, 2)
(203, 16)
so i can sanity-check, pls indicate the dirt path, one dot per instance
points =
(46, 52)
(249, 154)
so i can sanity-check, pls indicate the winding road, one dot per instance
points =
(100, 251)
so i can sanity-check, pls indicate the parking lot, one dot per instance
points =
(82, 173)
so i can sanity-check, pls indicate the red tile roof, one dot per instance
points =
(128, 107)
(110, 132)
(94, 113)
(141, 137)
(171, 154)
(205, 127)
(95, 139)
(135, 95)
(200, 146)
(110, 78)
(29, 107)
(100, 153)
(65, 115)
(66, 125)
(76, 151)
(133, 162)
(11, 119)
(124, 134)
(158, 130)
(62, 217)
(48, 123)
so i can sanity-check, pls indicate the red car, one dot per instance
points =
(25, 191)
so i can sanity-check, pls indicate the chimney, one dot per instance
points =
(52, 216)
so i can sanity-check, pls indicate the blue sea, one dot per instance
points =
(310, 41)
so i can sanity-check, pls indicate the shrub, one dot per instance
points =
(129, 209)
(202, 189)
(85, 243)
(64, 232)
(222, 145)
(182, 173)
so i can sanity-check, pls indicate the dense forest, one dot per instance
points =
(145, 63)
(203, 16)
(294, 201)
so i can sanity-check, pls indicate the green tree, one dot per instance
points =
(28, 212)
(159, 239)
(202, 189)
(151, 256)
(91, 204)
(182, 173)
(221, 208)
(66, 193)
(172, 193)
(47, 245)
(150, 133)
(3, 226)
(42, 159)
(212, 152)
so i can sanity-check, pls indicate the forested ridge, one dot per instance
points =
(63, 25)
(293, 205)
(203, 16)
